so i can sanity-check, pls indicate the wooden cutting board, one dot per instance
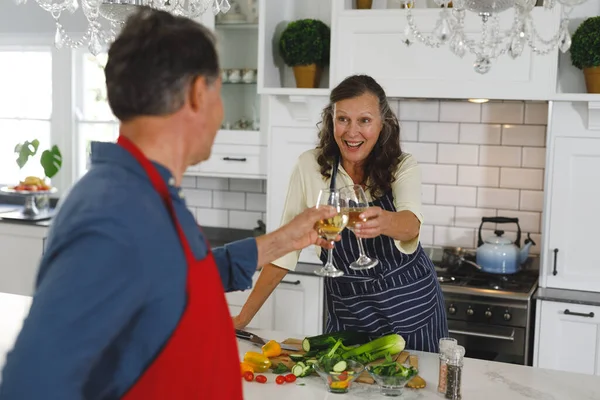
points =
(364, 376)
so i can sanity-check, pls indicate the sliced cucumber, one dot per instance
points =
(340, 366)
(297, 370)
(311, 362)
(297, 357)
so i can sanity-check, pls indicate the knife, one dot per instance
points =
(258, 341)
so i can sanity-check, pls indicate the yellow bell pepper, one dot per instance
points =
(244, 367)
(259, 362)
(271, 349)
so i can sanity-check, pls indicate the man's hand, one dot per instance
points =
(301, 232)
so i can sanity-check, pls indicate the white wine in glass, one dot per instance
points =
(356, 199)
(330, 228)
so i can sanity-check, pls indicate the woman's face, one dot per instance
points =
(356, 126)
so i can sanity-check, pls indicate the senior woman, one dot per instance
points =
(401, 293)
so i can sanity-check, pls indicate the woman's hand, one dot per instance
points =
(374, 223)
(239, 323)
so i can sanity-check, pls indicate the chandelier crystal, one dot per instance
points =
(492, 41)
(106, 17)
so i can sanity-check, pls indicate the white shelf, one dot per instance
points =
(290, 91)
(245, 25)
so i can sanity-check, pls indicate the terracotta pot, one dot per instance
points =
(364, 4)
(308, 76)
(592, 79)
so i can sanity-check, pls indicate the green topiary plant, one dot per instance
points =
(305, 42)
(585, 45)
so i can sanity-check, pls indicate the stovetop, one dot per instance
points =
(465, 278)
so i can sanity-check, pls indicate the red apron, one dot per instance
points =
(200, 360)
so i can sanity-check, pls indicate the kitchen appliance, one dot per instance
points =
(491, 315)
(258, 341)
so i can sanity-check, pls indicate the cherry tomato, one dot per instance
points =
(249, 376)
(343, 376)
(280, 379)
(261, 379)
(290, 378)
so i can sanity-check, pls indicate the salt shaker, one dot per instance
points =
(446, 344)
(454, 372)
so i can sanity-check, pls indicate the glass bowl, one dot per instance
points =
(340, 382)
(392, 385)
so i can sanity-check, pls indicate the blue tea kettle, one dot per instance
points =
(498, 254)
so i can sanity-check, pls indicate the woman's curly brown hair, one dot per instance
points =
(382, 162)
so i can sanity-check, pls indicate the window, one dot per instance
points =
(25, 108)
(95, 121)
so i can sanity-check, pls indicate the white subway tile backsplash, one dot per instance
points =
(229, 200)
(244, 219)
(440, 174)
(423, 152)
(408, 131)
(188, 182)
(528, 221)
(524, 135)
(456, 195)
(500, 156)
(532, 200)
(212, 217)
(467, 217)
(198, 198)
(245, 185)
(256, 202)
(460, 111)
(451, 236)
(536, 113)
(438, 132)
(438, 215)
(522, 178)
(502, 113)
(416, 110)
(478, 176)
(212, 183)
(498, 198)
(534, 157)
(480, 133)
(458, 154)
(428, 194)
(426, 236)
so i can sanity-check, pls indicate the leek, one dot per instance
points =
(375, 349)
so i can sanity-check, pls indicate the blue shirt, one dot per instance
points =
(111, 285)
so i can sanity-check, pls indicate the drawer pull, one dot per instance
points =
(242, 159)
(554, 272)
(291, 283)
(588, 315)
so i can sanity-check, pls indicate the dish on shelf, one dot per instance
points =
(29, 186)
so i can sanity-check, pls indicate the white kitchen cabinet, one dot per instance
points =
(569, 255)
(568, 337)
(296, 305)
(372, 42)
(236, 300)
(21, 247)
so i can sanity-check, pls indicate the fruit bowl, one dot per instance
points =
(392, 385)
(340, 382)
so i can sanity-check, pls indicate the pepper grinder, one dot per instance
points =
(446, 345)
(454, 373)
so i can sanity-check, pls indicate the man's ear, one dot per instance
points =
(197, 93)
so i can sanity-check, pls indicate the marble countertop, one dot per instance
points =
(568, 296)
(482, 380)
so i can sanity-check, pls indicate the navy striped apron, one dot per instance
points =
(400, 295)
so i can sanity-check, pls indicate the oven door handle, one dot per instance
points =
(510, 338)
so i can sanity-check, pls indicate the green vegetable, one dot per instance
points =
(301, 370)
(329, 360)
(305, 42)
(393, 368)
(327, 340)
(585, 45)
(340, 366)
(378, 348)
(280, 368)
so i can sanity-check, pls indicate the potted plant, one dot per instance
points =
(585, 52)
(304, 46)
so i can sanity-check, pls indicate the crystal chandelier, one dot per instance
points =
(492, 42)
(106, 17)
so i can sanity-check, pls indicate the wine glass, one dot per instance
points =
(356, 199)
(330, 228)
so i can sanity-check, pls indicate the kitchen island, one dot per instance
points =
(482, 380)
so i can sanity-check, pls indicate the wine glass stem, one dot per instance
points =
(361, 249)
(330, 257)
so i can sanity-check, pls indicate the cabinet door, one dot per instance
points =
(21, 257)
(571, 257)
(298, 305)
(236, 300)
(569, 337)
